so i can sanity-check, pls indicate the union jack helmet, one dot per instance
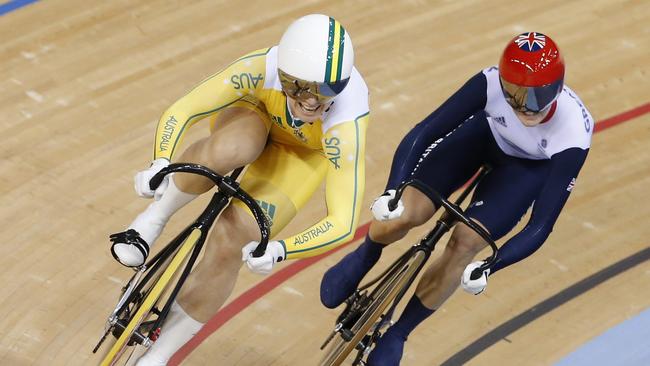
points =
(531, 71)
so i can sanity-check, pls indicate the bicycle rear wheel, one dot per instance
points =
(148, 302)
(385, 292)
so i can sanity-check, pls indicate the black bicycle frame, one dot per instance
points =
(227, 188)
(453, 213)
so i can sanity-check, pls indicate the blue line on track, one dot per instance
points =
(624, 345)
(13, 5)
(542, 308)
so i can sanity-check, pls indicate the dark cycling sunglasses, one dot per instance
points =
(530, 100)
(304, 90)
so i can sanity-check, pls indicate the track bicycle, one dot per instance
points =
(368, 311)
(142, 309)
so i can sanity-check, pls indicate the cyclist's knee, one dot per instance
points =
(417, 214)
(390, 231)
(230, 234)
(238, 139)
(387, 232)
(231, 152)
(465, 243)
(224, 254)
(418, 208)
(221, 253)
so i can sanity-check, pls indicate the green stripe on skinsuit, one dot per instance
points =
(205, 80)
(356, 178)
(180, 133)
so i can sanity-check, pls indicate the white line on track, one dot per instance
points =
(559, 265)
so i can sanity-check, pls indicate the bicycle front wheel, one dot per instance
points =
(385, 292)
(147, 304)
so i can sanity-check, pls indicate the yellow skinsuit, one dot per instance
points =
(295, 159)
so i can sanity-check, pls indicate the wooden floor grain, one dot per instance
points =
(82, 84)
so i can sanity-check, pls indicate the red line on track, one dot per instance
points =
(623, 117)
(253, 294)
(244, 300)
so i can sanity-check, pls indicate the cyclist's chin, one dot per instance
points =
(305, 113)
(309, 118)
(530, 121)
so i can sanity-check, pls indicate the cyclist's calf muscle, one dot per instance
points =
(214, 277)
(440, 280)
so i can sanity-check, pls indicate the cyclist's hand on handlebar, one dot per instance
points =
(263, 265)
(380, 209)
(143, 177)
(478, 285)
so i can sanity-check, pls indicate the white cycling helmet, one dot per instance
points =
(315, 58)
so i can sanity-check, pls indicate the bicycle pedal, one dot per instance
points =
(351, 319)
(349, 305)
(363, 344)
(352, 298)
(352, 312)
(361, 354)
(118, 328)
(138, 338)
(346, 334)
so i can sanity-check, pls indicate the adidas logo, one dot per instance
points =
(571, 185)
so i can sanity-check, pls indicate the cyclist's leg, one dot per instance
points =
(341, 280)
(207, 287)
(455, 155)
(430, 293)
(280, 183)
(238, 136)
(282, 180)
(499, 202)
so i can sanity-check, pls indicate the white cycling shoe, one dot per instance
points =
(131, 247)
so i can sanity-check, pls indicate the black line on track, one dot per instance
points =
(502, 331)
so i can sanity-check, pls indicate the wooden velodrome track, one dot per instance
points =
(82, 85)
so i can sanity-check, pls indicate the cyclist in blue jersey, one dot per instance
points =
(534, 132)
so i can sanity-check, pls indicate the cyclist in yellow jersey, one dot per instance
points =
(297, 114)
